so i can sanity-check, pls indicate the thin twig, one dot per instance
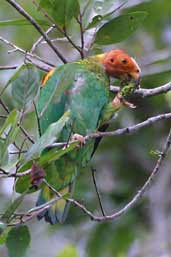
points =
(71, 42)
(13, 67)
(4, 106)
(19, 155)
(39, 41)
(80, 22)
(93, 171)
(3, 116)
(37, 117)
(37, 27)
(16, 146)
(26, 134)
(5, 174)
(18, 152)
(131, 129)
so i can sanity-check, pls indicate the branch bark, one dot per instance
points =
(143, 92)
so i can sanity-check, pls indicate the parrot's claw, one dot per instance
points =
(79, 138)
(119, 101)
(129, 105)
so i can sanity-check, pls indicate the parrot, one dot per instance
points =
(81, 90)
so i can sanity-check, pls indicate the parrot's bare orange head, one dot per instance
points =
(120, 65)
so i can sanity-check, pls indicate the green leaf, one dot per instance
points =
(119, 28)
(3, 153)
(6, 217)
(104, 13)
(18, 241)
(49, 137)
(23, 184)
(55, 154)
(25, 85)
(10, 129)
(9, 122)
(95, 21)
(21, 22)
(68, 251)
(62, 11)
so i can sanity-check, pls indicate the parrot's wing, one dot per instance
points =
(51, 101)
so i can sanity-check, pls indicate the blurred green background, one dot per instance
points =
(122, 163)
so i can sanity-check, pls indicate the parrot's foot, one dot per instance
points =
(79, 138)
(119, 101)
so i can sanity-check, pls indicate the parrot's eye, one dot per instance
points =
(124, 61)
(112, 60)
(137, 70)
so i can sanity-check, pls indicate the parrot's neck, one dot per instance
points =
(94, 63)
(98, 58)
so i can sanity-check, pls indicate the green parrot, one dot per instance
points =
(80, 90)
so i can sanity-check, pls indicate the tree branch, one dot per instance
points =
(131, 129)
(147, 92)
(117, 132)
(134, 200)
(35, 45)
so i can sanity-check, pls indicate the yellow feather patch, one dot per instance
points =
(46, 77)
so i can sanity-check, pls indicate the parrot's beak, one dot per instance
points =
(136, 78)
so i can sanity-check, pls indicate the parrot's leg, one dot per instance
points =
(80, 138)
(119, 101)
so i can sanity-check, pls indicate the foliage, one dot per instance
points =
(18, 241)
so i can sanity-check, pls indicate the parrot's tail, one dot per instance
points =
(57, 213)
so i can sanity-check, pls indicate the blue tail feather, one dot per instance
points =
(57, 213)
